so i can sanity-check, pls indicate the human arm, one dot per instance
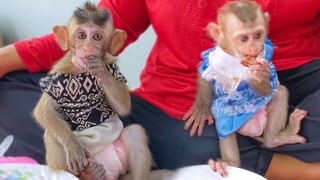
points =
(36, 54)
(128, 15)
(10, 60)
(39, 54)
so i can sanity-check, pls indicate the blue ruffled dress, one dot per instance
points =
(233, 110)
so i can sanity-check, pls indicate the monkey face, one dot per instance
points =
(239, 35)
(89, 41)
(246, 39)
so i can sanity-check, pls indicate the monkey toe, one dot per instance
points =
(93, 172)
(295, 119)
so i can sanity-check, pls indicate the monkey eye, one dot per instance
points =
(258, 35)
(97, 37)
(244, 38)
(81, 35)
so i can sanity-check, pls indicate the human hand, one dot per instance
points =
(197, 117)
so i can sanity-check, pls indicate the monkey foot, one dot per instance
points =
(295, 119)
(93, 172)
(290, 134)
(219, 167)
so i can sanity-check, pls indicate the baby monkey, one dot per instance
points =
(84, 95)
(249, 99)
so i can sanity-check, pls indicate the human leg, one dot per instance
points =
(284, 167)
(170, 144)
(301, 161)
(19, 93)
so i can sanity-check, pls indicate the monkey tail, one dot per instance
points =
(140, 159)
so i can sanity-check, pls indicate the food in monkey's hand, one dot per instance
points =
(248, 61)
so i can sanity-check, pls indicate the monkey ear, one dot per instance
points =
(117, 41)
(267, 16)
(61, 35)
(214, 31)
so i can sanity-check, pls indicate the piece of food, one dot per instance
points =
(248, 61)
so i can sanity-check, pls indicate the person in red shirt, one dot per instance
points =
(168, 83)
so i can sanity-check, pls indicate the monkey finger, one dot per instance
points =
(194, 128)
(73, 168)
(189, 122)
(82, 164)
(93, 66)
(261, 60)
(87, 154)
(188, 114)
(100, 172)
(94, 59)
(96, 170)
(212, 165)
(97, 72)
(221, 169)
(210, 120)
(259, 68)
(201, 126)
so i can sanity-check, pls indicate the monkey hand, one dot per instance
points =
(260, 71)
(197, 117)
(97, 68)
(219, 167)
(77, 158)
(259, 76)
(248, 61)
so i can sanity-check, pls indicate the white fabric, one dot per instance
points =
(219, 69)
(97, 138)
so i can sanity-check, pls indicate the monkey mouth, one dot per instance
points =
(87, 57)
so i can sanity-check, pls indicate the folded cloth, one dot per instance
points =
(18, 159)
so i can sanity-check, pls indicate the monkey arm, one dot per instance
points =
(204, 95)
(262, 88)
(259, 77)
(117, 95)
(50, 119)
(229, 150)
(200, 111)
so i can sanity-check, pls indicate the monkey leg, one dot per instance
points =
(276, 133)
(229, 155)
(55, 154)
(229, 150)
(140, 158)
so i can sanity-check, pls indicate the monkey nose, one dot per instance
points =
(253, 52)
(88, 48)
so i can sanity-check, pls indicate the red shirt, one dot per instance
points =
(169, 78)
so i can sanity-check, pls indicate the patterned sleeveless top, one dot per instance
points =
(82, 101)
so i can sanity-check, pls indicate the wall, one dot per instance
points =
(21, 19)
